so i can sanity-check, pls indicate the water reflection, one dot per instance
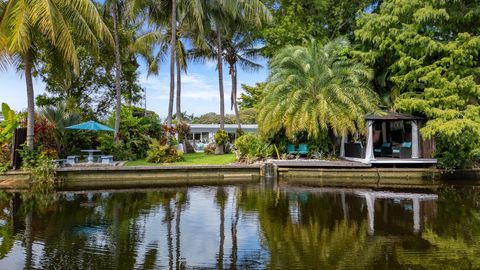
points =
(241, 227)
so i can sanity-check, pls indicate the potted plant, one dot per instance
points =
(221, 138)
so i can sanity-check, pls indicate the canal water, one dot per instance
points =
(242, 227)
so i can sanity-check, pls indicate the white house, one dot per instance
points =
(204, 133)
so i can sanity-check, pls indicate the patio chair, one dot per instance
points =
(303, 149)
(72, 160)
(384, 150)
(291, 149)
(404, 151)
(107, 159)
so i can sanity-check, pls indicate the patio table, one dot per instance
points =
(90, 154)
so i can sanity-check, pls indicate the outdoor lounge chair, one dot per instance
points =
(404, 151)
(303, 149)
(291, 149)
(384, 150)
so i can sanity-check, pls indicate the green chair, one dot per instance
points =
(303, 149)
(291, 149)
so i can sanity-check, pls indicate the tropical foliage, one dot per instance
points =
(161, 153)
(316, 88)
(26, 26)
(426, 54)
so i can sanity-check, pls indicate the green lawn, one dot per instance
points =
(190, 159)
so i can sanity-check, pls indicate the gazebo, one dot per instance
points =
(386, 136)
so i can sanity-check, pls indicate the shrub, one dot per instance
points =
(454, 152)
(221, 137)
(250, 148)
(4, 157)
(119, 150)
(183, 130)
(161, 153)
(209, 149)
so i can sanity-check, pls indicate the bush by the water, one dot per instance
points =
(251, 148)
(162, 153)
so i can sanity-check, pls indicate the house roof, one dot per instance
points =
(392, 116)
(229, 128)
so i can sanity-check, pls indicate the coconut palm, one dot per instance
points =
(218, 17)
(240, 48)
(112, 6)
(314, 88)
(29, 26)
(153, 45)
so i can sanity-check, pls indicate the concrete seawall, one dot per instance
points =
(146, 177)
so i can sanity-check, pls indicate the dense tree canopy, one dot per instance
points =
(430, 54)
(296, 21)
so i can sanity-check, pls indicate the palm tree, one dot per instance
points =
(315, 88)
(60, 117)
(240, 48)
(154, 45)
(27, 25)
(173, 43)
(218, 16)
(115, 11)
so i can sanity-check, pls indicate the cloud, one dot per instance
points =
(195, 86)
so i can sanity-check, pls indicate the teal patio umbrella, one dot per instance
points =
(90, 125)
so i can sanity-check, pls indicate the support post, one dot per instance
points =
(384, 132)
(415, 140)
(371, 212)
(342, 146)
(369, 148)
(416, 215)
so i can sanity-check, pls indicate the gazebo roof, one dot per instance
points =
(392, 116)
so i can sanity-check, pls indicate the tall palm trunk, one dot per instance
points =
(220, 76)
(222, 231)
(179, 93)
(173, 43)
(168, 214)
(118, 70)
(233, 75)
(27, 61)
(28, 235)
(177, 233)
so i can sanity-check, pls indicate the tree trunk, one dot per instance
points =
(168, 214)
(179, 93)
(173, 42)
(118, 70)
(220, 76)
(30, 100)
(222, 230)
(177, 233)
(234, 96)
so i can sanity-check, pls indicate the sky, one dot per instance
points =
(199, 87)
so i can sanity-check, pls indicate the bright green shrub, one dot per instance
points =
(161, 153)
(221, 137)
(250, 148)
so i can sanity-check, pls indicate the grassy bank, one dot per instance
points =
(190, 159)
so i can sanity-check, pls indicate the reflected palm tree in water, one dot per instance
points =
(221, 197)
(181, 202)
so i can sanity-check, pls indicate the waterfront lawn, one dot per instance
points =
(190, 159)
